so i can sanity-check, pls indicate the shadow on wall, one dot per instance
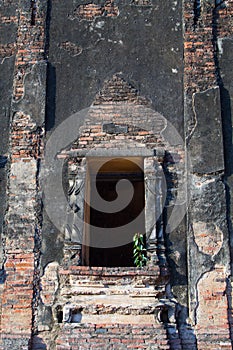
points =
(226, 116)
(51, 82)
(228, 156)
(227, 130)
(224, 94)
(180, 334)
(2, 276)
(38, 344)
(50, 97)
(225, 97)
(175, 242)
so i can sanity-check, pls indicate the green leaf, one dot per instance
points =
(139, 250)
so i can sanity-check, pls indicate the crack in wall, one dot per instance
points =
(37, 237)
(33, 12)
(194, 122)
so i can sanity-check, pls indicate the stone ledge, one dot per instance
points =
(114, 271)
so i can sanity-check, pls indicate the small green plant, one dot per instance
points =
(139, 250)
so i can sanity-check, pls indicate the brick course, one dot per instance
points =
(21, 218)
(120, 336)
(200, 43)
(90, 11)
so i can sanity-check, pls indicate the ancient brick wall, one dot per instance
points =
(106, 336)
(58, 58)
(22, 222)
(200, 47)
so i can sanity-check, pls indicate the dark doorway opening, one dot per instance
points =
(106, 180)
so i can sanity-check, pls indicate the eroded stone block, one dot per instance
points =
(206, 144)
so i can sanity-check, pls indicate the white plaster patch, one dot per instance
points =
(200, 183)
(22, 187)
(220, 46)
(23, 172)
(49, 283)
(99, 24)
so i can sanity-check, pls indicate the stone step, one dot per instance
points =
(114, 310)
(119, 290)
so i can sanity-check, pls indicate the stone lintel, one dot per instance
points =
(113, 152)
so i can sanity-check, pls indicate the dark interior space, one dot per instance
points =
(106, 180)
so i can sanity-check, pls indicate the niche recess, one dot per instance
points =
(106, 174)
